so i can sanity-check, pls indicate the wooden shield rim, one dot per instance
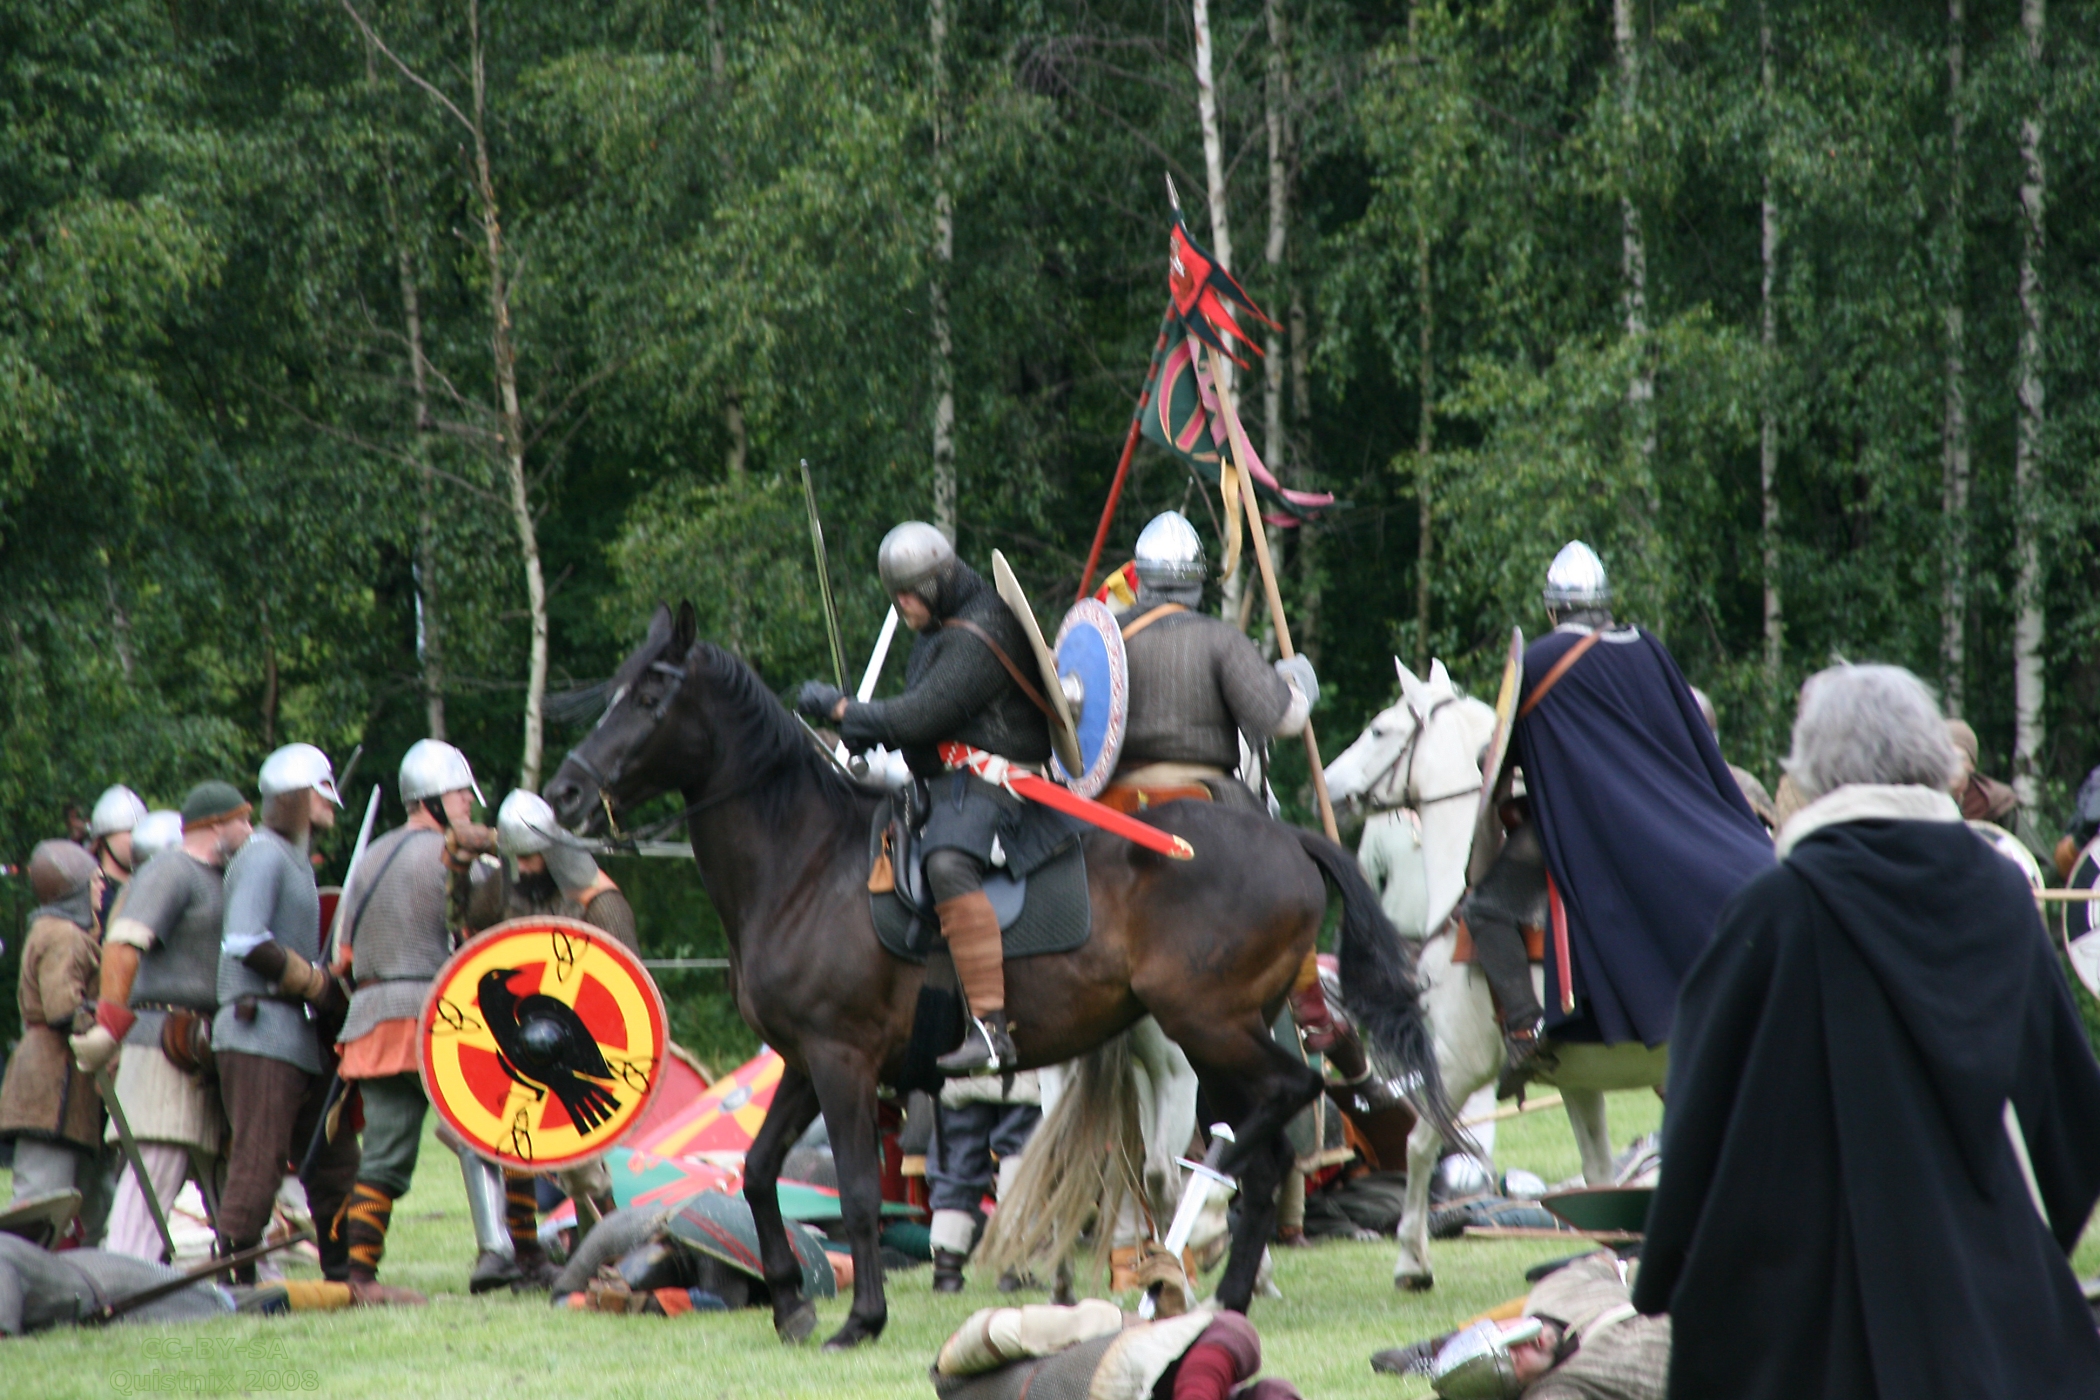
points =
(600, 939)
(1064, 735)
(1094, 616)
(2088, 866)
(1498, 755)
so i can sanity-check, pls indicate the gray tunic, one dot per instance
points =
(396, 925)
(269, 895)
(181, 899)
(1196, 684)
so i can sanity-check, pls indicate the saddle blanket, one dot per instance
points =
(1046, 911)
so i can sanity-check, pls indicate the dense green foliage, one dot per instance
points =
(223, 495)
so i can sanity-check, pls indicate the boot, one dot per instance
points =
(1309, 1008)
(371, 1293)
(972, 930)
(535, 1271)
(1524, 1055)
(947, 1271)
(362, 1226)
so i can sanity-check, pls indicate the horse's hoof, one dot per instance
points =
(851, 1336)
(1414, 1283)
(797, 1325)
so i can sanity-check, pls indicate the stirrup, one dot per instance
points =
(991, 1064)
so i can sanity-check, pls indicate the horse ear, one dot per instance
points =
(1439, 678)
(1410, 685)
(687, 627)
(659, 625)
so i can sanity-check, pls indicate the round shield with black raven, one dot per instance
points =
(541, 1042)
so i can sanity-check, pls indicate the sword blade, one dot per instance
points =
(106, 1086)
(110, 1312)
(875, 660)
(1094, 813)
(357, 855)
(831, 613)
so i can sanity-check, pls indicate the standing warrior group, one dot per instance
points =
(179, 971)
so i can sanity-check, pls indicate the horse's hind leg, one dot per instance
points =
(794, 1107)
(1261, 1087)
(1169, 1118)
(845, 1084)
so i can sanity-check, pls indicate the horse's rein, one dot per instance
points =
(1407, 756)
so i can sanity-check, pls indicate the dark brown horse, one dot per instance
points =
(1207, 946)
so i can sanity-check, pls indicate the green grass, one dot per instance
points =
(1339, 1306)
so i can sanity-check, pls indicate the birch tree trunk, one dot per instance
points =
(1425, 388)
(511, 419)
(1768, 426)
(1234, 606)
(1277, 93)
(1954, 421)
(1633, 253)
(2027, 459)
(1301, 426)
(943, 256)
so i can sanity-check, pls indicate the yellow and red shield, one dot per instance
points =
(542, 1042)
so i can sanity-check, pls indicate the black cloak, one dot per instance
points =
(1645, 831)
(1841, 1211)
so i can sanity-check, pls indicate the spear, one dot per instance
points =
(1130, 440)
(816, 544)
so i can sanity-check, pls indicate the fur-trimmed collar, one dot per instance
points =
(1867, 802)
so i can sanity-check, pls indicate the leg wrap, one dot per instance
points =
(364, 1222)
(521, 1213)
(972, 931)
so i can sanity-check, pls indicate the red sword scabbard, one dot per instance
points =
(1559, 912)
(1107, 818)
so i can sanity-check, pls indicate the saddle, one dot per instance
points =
(1046, 911)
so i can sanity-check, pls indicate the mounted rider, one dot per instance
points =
(1629, 837)
(399, 928)
(967, 706)
(278, 1010)
(1198, 690)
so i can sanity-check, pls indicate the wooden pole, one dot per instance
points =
(1115, 487)
(1242, 453)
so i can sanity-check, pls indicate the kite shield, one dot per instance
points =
(1495, 770)
(1064, 739)
(542, 1043)
(1094, 674)
(2081, 918)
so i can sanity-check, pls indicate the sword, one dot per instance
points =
(816, 544)
(108, 1089)
(131, 1302)
(856, 765)
(342, 781)
(1203, 1179)
(357, 855)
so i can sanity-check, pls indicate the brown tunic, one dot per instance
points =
(44, 1096)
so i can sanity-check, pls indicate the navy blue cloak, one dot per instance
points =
(1645, 831)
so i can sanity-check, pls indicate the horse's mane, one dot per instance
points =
(757, 733)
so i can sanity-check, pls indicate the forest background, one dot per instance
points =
(369, 369)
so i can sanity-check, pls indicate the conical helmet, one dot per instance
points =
(914, 558)
(432, 768)
(1576, 579)
(1169, 552)
(117, 809)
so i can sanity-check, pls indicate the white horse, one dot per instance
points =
(1423, 755)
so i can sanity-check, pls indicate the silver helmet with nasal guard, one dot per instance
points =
(1576, 579)
(1169, 551)
(1476, 1363)
(432, 768)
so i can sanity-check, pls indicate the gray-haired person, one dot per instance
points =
(1884, 1126)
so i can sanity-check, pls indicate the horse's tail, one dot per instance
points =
(1084, 1161)
(1378, 979)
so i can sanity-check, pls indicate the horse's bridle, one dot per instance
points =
(604, 781)
(1407, 756)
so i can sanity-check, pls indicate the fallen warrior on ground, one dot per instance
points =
(1578, 1339)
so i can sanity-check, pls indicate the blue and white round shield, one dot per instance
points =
(1094, 674)
(2081, 917)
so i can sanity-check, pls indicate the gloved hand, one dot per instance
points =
(95, 1049)
(818, 700)
(1297, 671)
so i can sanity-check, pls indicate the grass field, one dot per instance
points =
(1338, 1307)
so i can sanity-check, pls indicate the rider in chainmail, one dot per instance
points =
(1198, 689)
(964, 688)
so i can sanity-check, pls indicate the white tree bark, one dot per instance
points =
(943, 257)
(1633, 251)
(1768, 426)
(1954, 421)
(1237, 603)
(2027, 458)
